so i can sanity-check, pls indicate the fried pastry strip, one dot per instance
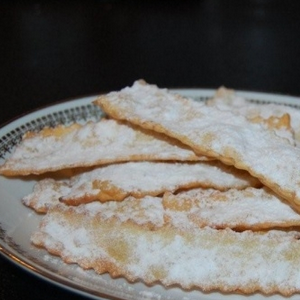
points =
(91, 144)
(285, 120)
(205, 258)
(138, 179)
(239, 209)
(251, 208)
(210, 131)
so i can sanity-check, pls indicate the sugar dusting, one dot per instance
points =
(89, 145)
(137, 179)
(249, 208)
(159, 239)
(205, 258)
(223, 134)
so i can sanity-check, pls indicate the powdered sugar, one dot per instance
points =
(249, 208)
(89, 145)
(117, 181)
(213, 132)
(226, 99)
(206, 258)
(170, 239)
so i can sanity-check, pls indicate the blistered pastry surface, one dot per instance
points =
(231, 234)
(206, 258)
(138, 179)
(222, 134)
(95, 143)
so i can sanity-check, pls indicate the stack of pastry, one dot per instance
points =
(169, 190)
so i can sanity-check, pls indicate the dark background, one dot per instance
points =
(51, 51)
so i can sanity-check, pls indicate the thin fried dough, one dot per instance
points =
(254, 209)
(149, 222)
(285, 120)
(224, 135)
(91, 144)
(138, 179)
(206, 258)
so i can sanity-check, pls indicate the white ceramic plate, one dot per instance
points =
(17, 222)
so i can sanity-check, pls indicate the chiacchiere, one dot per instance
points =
(172, 191)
